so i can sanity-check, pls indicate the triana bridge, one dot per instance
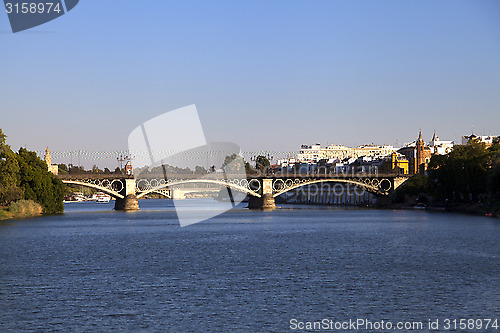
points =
(261, 189)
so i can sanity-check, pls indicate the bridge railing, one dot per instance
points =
(220, 175)
(73, 176)
(327, 175)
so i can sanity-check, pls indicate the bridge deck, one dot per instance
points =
(239, 176)
(72, 176)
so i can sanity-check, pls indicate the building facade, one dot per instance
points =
(399, 163)
(315, 153)
(418, 155)
(440, 147)
(486, 139)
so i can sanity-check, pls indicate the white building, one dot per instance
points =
(314, 153)
(487, 139)
(440, 147)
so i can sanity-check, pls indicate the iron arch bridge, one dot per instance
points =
(375, 186)
(146, 186)
(112, 187)
(253, 186)
(250, 186)
(262, 190)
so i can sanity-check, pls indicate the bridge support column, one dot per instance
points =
(130, 201)
(266, 201)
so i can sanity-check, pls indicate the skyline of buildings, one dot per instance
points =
(411, 158)
(306, 154)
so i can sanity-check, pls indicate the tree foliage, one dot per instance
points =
(25, 176)
(9, 167)
(415, 187)
(234, 164)
(249, 169)
(63, 168)
(469, 173)
(262, 163)
(199, 170)
(38, 183)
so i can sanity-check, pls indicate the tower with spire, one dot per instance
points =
(435, 137)
(420, 160)
(48, 159)
(418, 155)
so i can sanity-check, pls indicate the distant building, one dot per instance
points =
(418, 155)
(399, 163)
(51, 167)
(486, 139)
(423, 155)
(314, 153)
(440, 147)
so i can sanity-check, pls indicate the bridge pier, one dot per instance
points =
(266, 201)
(130, 201)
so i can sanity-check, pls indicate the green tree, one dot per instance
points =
(199, 170)
(414, 188)
(249, 169)
(461, 175)
(96, 170)
(262, 163)
(233, 164)
(8, 164)
(25, 176)
(63, 168)
(10, 194)
(76, 170)
(9, 170)
(494, 170)
(38, 183)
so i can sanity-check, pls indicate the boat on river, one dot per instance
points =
(101, 197)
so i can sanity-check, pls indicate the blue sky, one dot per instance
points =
(267, 75)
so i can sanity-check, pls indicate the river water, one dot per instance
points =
(95, 269)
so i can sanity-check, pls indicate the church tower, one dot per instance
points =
(435, 138)
(48, 158)
(420, 158)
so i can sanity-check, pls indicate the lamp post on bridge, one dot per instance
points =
(122, 159)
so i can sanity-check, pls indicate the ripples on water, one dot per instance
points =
(96, 269)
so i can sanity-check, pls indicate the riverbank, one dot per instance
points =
(463, 208)
(20, 209)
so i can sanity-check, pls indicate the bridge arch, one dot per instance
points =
(112, 193)
(206, 181)
(370, 188)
